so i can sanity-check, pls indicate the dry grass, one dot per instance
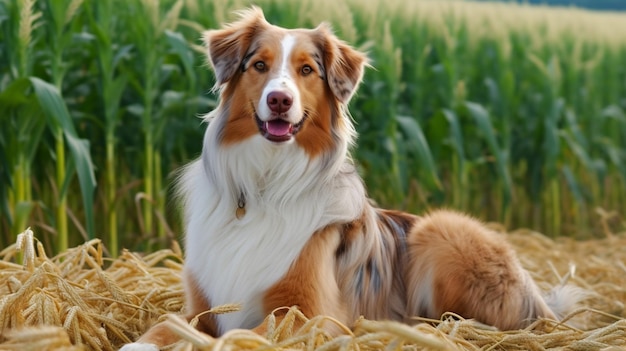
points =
(78, 300)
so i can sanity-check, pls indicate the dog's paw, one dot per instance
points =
(137, 346)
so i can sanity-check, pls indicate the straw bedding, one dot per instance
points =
(79, 300)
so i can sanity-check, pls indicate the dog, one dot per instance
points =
(276, 214)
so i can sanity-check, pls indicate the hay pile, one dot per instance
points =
(72, 302)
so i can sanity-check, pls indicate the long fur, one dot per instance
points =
(307, 234)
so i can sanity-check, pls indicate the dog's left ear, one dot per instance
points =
(344, 65)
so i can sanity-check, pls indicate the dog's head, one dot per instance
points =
(288, 85)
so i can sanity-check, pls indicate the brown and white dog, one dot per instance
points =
(276, 214)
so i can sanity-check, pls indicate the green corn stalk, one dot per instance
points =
(148, 36)
(58, 15)
(481, 117)
(460, 166)
(51, 103)
(145, 37)
(111, 90)
(22, 134)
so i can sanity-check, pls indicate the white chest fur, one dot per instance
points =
(235, 261)
(288, 198)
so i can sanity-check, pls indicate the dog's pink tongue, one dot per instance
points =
(278, 127)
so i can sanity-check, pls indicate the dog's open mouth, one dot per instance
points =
(278, 130)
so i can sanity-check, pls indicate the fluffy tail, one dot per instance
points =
(563, 299)
(557, 304)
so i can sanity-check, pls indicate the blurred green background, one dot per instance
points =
(510, 112)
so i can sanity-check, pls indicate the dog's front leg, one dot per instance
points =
(310, 284)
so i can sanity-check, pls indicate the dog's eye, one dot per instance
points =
(306, 70)
(259, 66)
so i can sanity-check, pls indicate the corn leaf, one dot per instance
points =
(573, 184)
(416, 143)
(456, 136)
(483, 122)
(54, 108)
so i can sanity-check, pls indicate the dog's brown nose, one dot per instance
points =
(279, 102)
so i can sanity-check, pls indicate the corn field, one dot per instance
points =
(513, 113)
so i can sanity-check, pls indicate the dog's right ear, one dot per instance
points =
(227, 46)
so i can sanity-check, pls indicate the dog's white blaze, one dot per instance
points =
(283, 81)
(287, 44)
(288, 197)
